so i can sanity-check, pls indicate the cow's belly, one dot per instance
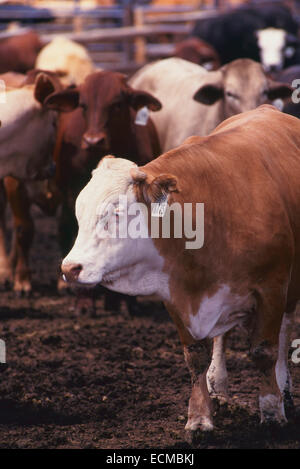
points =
(220, 313)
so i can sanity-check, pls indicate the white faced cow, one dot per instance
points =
(247, 175)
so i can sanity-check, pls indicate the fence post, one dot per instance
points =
(140, 52)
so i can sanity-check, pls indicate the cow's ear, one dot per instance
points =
(139, 99)
(63, 101)
(209, 94)
(44, 87)
(213, 90)
(278, 90)
(154, 189)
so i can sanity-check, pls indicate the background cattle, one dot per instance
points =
(103, 120)
(266, 33)
(196, 101)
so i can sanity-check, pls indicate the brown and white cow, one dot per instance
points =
(103, 120)
(246, 173)
(196, 101)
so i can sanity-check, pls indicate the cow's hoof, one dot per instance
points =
(6, 278)
(204, 424)
(193, 436)
(22, 288)
(289, 405)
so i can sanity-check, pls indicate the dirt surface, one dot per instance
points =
(109, 380)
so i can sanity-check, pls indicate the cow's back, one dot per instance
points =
(247, 175)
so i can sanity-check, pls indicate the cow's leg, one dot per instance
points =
(23, 233)
(197, 356)
(264, 353)
(6, 272)
(283, 375)
(217, 376)
(200, 406)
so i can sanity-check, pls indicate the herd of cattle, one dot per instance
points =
(221, 144)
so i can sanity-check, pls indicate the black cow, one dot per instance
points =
(235, 35)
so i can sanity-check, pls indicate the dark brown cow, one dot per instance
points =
(103, 120)
(199, 52)
(19, 53)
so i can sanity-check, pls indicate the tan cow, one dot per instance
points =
(67, 58)
(196, 101)
(246, 173)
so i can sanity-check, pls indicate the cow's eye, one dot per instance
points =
(229, 94)
(118, 211)
(117, 106)
(83, 106)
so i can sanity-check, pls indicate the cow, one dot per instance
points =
(101, 117)
(28, 130)
(246, 173)
(196, 101)
(27, 138)
(265, 33)
(199, 52)
(67, 58)
(19, 53)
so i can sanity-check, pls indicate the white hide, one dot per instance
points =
(271, 43)
(127, 265)
(219, 313)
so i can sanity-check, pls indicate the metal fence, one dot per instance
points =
(122, 36)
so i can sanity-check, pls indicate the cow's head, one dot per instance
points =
(105, 98)
(199, 52)
(28, 130)
(275, 46)
(118, 262)
(241, 85)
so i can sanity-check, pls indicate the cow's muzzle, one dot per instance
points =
(70, 272)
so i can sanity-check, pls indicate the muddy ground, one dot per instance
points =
(112, 381)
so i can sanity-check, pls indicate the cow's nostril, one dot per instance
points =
(71, 272)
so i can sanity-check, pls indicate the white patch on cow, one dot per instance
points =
(128, 265)
(271, 409)
(271, 43)
(217, 376)
(219, 313)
